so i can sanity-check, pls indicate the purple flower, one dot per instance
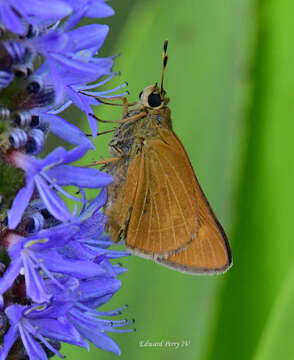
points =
(69, 317)
(34, 325)
(72, 245)
(86, 296)
(49, 175)
(92, 8)
(36, 253)
(29, 254)
(13, 13)
(80, 279)
(57, 269)
(70, 63)
(65, 130)
(70, 57)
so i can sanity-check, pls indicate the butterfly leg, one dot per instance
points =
(125, 104)
(126, 107)
(123, 98)
(103, 121)
(114, 98)
(102, 132)
(105, 161)
(122, 121)
(133, 118)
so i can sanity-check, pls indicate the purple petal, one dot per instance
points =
(57, 81)
(5, 77)
(53, 203)
(99, 339)
(93, 125)
(19, 205)
(91, 228)
(53, 9)
(75, 65)
(61, 331)
(96, 303)
(32, 346)
(52, 41)
(9, 339)
(55, 310)
(97, 288)
(98, 202)
(79, 251)
(118, 270)
(57, 236)
(82, 102)
(10, 274)
(49, 346)
(88, 36)
(74, 154)
(35, 287)
(79, 71)
(79, 176)
(14, 313)
(68, 132)
(54, 157)
(74, 19)
(99, 10)
(109, 253)
(88, 320)
(75, 268)
(104, 64)
(11, 20)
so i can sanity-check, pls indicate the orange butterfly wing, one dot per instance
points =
(121, 194)
(209, 252)
(145, 209)
(164, 214)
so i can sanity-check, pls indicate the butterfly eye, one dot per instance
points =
(154, 100)
(140, 94)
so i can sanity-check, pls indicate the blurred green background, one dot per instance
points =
(230, 78)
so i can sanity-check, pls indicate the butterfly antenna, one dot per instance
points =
(164, 62)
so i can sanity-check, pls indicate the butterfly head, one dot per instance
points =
(152, 97)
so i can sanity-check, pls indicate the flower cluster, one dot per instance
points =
(55, 263)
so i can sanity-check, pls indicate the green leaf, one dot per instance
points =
(277, 339)
(263, 236)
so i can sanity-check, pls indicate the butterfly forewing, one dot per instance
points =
(163, 220)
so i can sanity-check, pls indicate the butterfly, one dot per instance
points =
(155, 202)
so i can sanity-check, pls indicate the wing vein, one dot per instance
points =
(142, 210)
(175, 194)
(169, 203)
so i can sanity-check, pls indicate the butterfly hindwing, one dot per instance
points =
(209, 251)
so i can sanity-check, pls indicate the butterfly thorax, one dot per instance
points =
(129, 137)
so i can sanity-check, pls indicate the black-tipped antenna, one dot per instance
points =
(164, 62)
